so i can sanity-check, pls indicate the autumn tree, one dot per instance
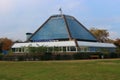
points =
(101, 34)
(117, 42)
(5, 43)
(0, 47)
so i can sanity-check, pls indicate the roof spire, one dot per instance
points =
(60, 9)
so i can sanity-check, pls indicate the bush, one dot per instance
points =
(57, 57)
(66, 57)
(81, 56)
(47, 56)
(113, 55)
(77, 56)
(1, 56)
(20, 58)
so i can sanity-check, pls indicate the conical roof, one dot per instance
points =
(62, 27)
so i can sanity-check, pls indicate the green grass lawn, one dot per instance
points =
(61, 70)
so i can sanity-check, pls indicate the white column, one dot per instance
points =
(66, 49)
(62, 49)
(76, 49)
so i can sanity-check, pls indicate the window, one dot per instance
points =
(84, 49)
(19, 50)
(72, 48)
(64, 49)
(13, 49)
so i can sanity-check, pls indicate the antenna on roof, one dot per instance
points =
(60, 9)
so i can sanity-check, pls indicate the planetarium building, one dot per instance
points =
(66, 33)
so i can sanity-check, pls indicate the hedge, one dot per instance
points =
(57, 56)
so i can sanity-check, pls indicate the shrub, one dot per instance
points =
(47, 56)
(1, 56)
(81, 55)
(65, 57)
(113, 55)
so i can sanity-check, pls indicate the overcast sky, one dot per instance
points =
(20, 16)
